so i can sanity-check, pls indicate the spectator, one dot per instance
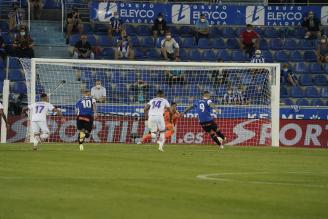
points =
(23, 44)
(289, 76)
(174, 77)
(202, 28)
(15, 17)
(159, 28)
(98, 92)
(36, 8)
(124, 47)
(258, 58)
(312, 26)
(139, 89)
(322, 50)
(169, 48)
(249, 40)
(240, 95)
(82, 49)
(73, 23)
(116, 25)
(229, 97)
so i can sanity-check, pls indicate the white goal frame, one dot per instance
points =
(275, 79)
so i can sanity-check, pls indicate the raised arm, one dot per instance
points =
(188, 109)
(146, 110)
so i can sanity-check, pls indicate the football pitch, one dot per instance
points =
(122, 181)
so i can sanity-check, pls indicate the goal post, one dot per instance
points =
(247, 95)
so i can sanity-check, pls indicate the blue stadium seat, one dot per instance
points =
(117, 77)
(195, 55)
(325, 67)
(302, 102)
(92, 39)
(310, 56)
(104, 41)
(101, 27)
(315, 68)
(204, 43)
(215, 32)
(135, 41)
(2, 76)
(19, 87)
(209, 55)
(306, 80)
(121, 88)
(288, 101)
(282, 56)
(143, 30)
(218, 43)
(271, 32)
(147, 42)
(4, 26)
(320, 80)
(291, 44)
(276, 44)
(232, 43)
(301, 68)
(16, 75)
(178, 39)
(138, 54)
(188, 42)
(299, 32)
(102, 76)
(228, 32)
(108, 53)
(224, 55)
(186, 31)
(264, 44)
(297, 92)
(184, 56)
(174, 31)
(324, 92)
(87, 28)
(130, 30)
(2, 63)
(153, 54)
(194, 90)
(86, 76)
(283, 92)
(296, 56)
(1, 85)
(307, 44)
(131, 77)
(238, 56)
(311, 92)
(6, 38)
(317, 102)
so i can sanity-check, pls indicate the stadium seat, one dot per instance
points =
(271, 32)
(320, 80)
(135, 41)
(228, 32)
(108, 53)
(291, 44)
(306, 80)
(324, 92)
(92, 39)
(215, 32)
(315, 68)
(6, 38)
(307, 44)
(310, 56)
(186, 31)
(102, 76)
(224, 55)
(101, 27)
(87, 28)
(138, 54)
(104, 41)
(117, 78)
(1, 85)
(16, 75)
(297, 92)
(209, 55)
(302, 102)
(130, 30)
(174, 31)
(188, 42)
(238, 56)
(204, 43)
(143, 30)
(147, 42)
(131, 77)
(178, 39)
(264, 44)
(282, 56)
(153, 54)
(218, 43)
(86, 75)
(317, 102)
(4, 26)
(2, 63)
(2, 76)
(296, 56)
(288, 101)
(195, 55)
(299, 32)
(184, 56)
(301, 68)
(19, 87)
(276, 44)
(267, 55)
(232, 43)
(283, 92)
(311, 92)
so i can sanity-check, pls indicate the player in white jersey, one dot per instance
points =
(154, 111)
(2, 114)
(39, 111)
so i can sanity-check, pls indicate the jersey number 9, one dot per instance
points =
(202, 107)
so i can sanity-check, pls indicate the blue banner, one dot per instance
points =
(217, 14)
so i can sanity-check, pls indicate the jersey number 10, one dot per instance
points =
(86, 103)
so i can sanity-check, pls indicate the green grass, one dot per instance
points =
(133, 181)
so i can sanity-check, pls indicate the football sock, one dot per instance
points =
(219, 133)
(214, 137)
(168, 134)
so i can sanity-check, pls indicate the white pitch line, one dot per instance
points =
(222, 177)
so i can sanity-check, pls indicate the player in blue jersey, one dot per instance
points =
(86, 113)
(204, 108)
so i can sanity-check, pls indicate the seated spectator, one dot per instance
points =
(140, 89)
(15, 17)
(258, 58)
(115, 26)
(289, 76)
(23, 44)
(169, 48)
(159, 28)
(312, 26)
(240, 95)
(73, 23)
(82, 49)
(124, 47)
(202, 28)
(229, 97)
(36, 8)
(98, 92)
(322, 50)
(249, 40)
(174, 77)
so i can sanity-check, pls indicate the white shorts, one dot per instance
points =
(156, 123)
(39, 125)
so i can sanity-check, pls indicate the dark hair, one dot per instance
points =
(160, 15)
(160, 92)
(249, 25)
(206, 92)
(173, 103)
(202, 15)
(43, 95)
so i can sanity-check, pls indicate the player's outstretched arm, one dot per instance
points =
(146, 110)
(214, 107)
(188, 109)
(59, 113)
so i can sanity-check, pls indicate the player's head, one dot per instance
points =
(86, 93)
(249, 27)
(206, 95)
(44, 97)
(160, 93)
(173, 106)
(258, 53)
(98, 83)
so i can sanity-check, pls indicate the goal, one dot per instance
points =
(247, 95)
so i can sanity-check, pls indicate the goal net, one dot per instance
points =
(247, 95)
